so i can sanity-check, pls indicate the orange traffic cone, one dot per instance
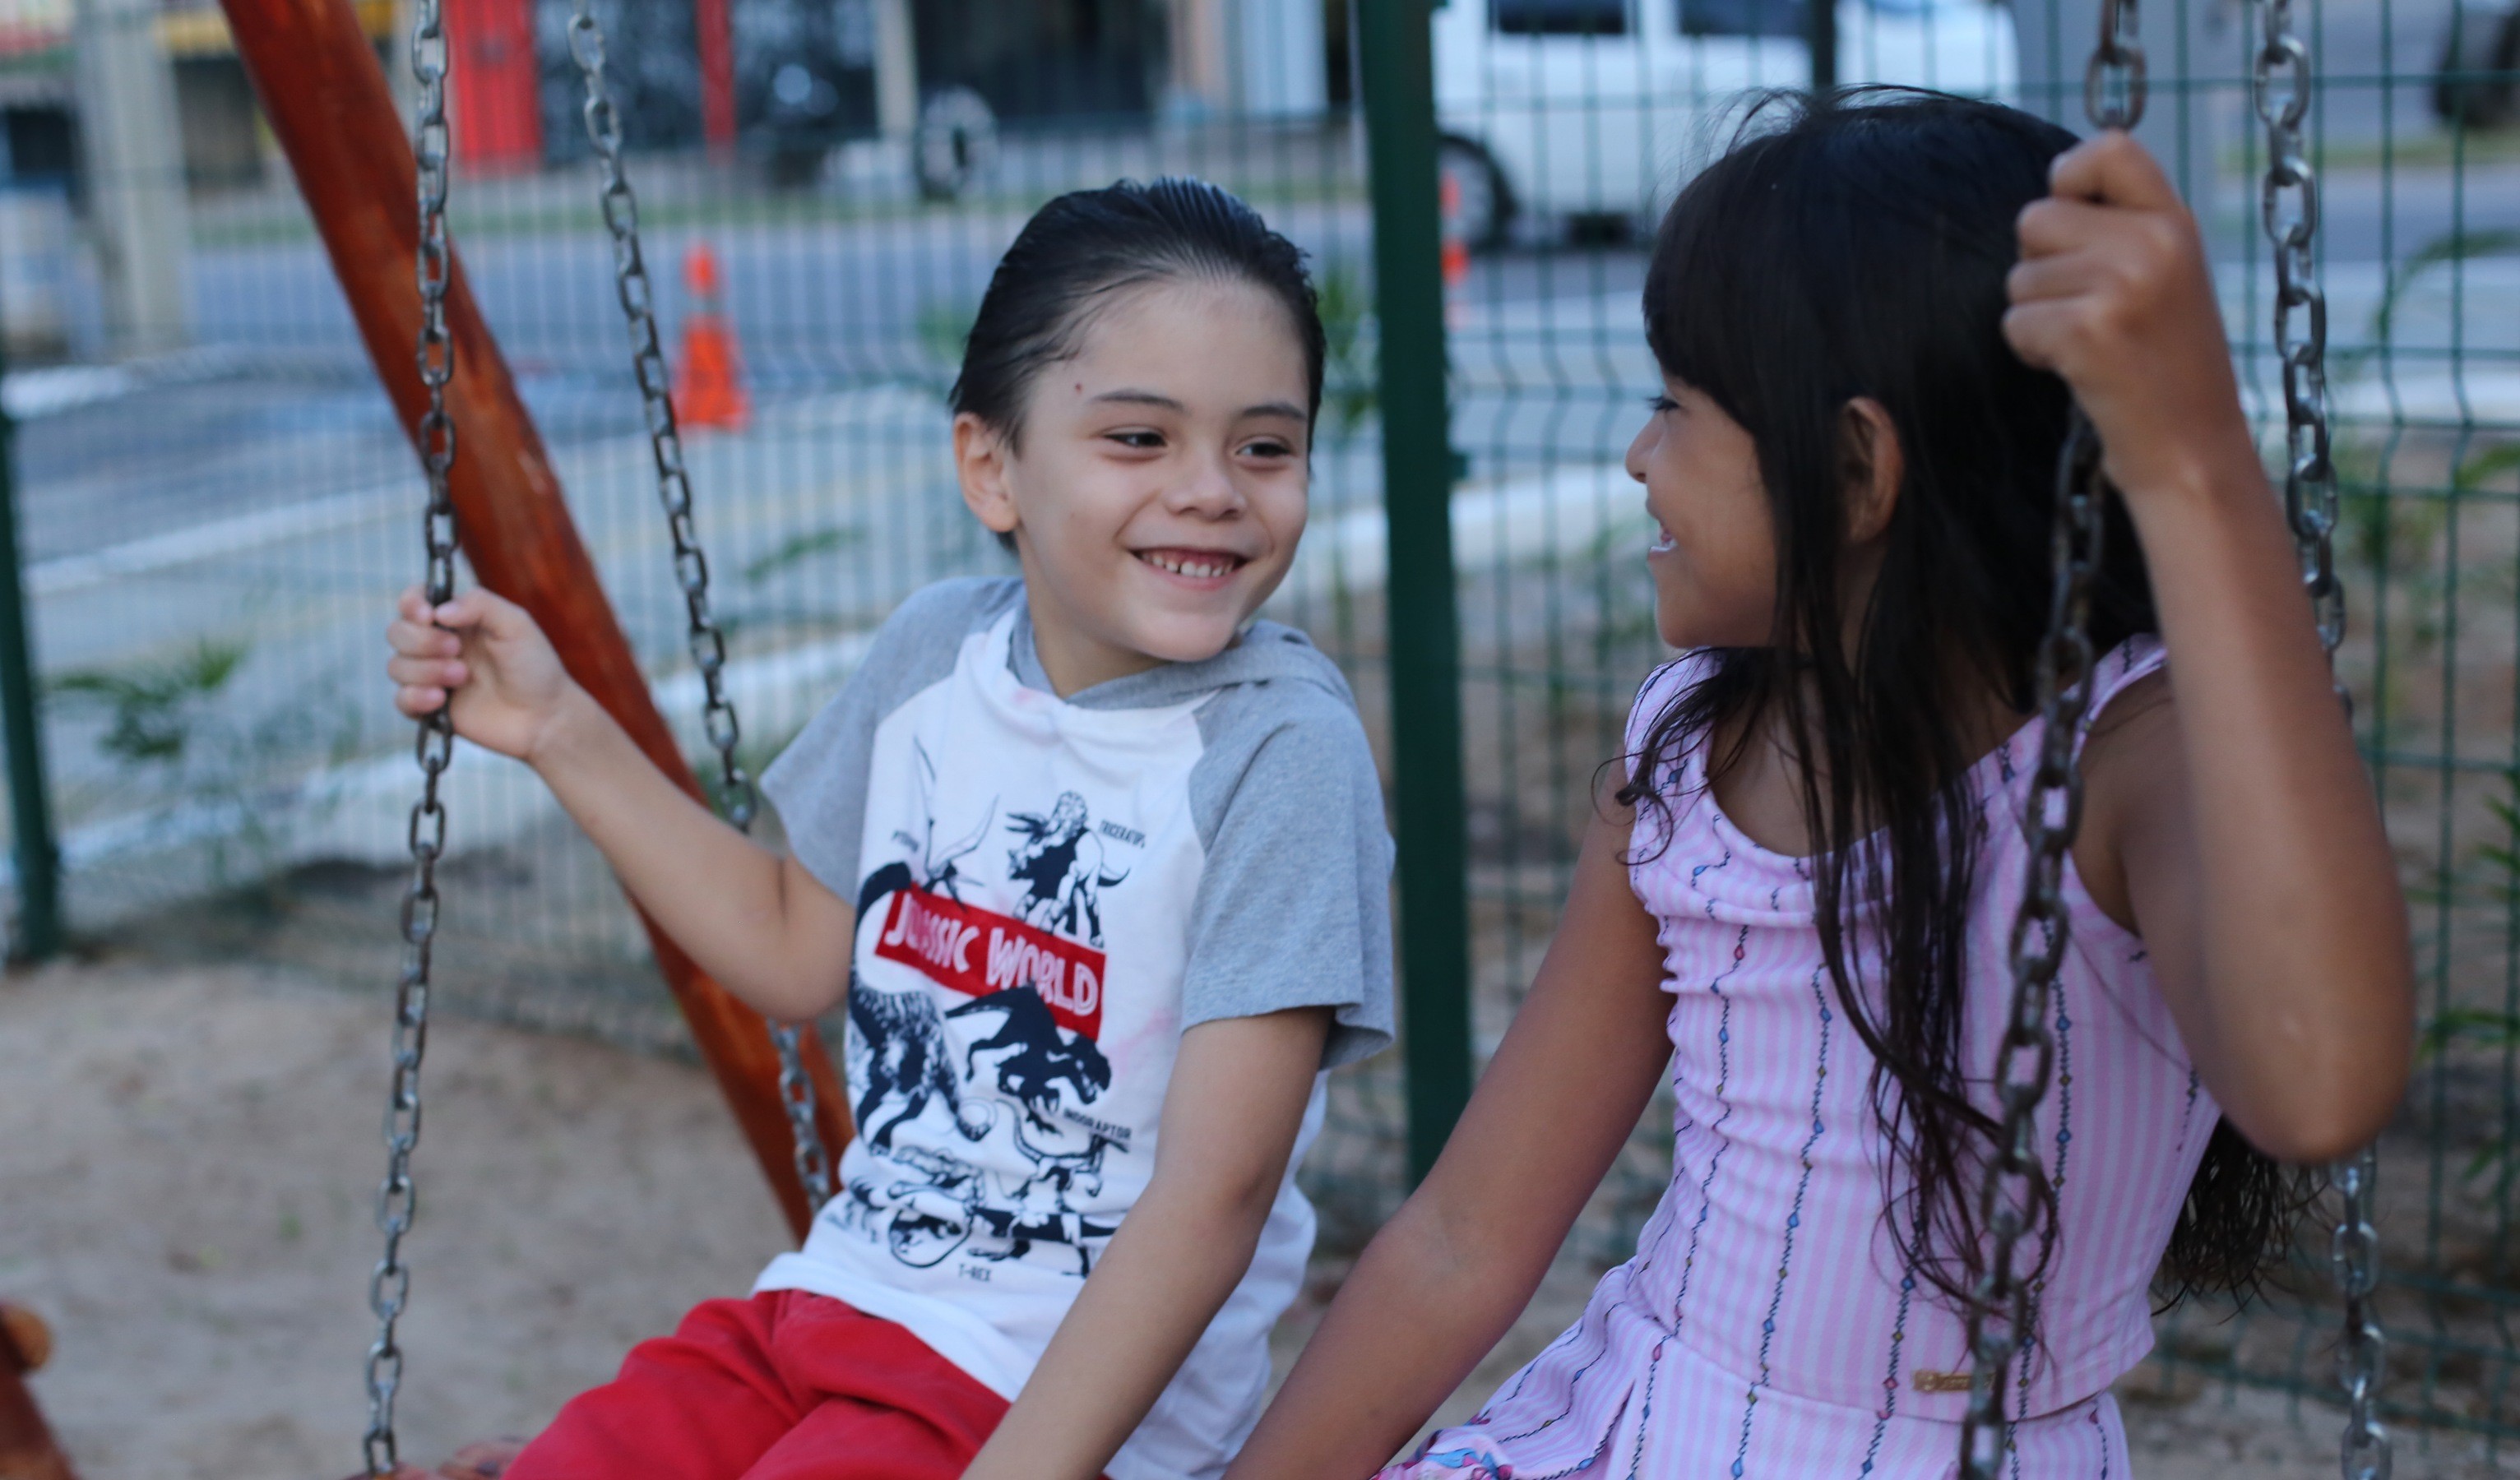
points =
(709, 381)
(1455, 256)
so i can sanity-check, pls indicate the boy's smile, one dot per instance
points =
(1203, 569)
(1156, 486)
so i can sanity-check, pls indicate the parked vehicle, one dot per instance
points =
(1570, 109)
(2473, 84)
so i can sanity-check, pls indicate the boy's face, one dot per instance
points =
(1159, 488)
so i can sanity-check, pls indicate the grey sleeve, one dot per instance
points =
(819, 783)
(1294, 906)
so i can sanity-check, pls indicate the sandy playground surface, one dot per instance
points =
(186, 1165)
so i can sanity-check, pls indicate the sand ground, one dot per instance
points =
(187, 1159)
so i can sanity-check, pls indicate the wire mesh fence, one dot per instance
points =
(213, 531)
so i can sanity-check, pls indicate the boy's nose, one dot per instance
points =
(1209, 491)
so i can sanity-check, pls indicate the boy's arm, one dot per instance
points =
(756, 920)
(1230, 1121)
(759, 924)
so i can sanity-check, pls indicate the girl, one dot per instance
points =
(1047, 846)
(1802, 896)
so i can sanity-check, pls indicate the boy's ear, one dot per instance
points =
(980, 458)
(1872, 465)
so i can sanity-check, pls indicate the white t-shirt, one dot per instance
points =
(1049, 891)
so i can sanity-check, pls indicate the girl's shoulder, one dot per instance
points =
(1663, 688)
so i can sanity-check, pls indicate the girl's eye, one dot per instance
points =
(1658, 403)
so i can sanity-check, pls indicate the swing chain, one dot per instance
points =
(736, 796)
(2113, 80)
(2288, 209)
(397, 1197)
(707, 643)
(2013, 1194)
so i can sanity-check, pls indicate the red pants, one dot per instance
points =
(782, 1386)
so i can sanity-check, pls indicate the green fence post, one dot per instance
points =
(1396, 65)
(30, 811)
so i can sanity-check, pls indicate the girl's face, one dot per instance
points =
(1161, 482)
(1714, 555)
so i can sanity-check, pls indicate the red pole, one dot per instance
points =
(714, 31)
(325, 97)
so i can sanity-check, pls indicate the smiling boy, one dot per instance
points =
(1096, 862)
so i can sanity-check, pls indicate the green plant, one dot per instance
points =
(1350, 394)
(2485, 1027)
(2440, 251)
(2481, 467)
(800, 548)
(151, 706)
(944, 326)
(182, 739)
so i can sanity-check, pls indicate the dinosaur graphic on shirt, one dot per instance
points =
(906, 1058)
(913, 1055)
(1045, 1056)
(946, 1206)
(1059, 863)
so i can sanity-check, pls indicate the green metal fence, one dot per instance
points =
(211, 536)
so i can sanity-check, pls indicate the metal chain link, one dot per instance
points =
(398, 1198)
(2113, 80)
(2013, 1194)
(737, 797)
(2288, 208)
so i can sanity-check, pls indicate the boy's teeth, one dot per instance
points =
(1194, 566)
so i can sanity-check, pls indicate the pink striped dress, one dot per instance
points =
(1767, 1325)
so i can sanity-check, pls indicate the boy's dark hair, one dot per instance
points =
(1861, 249)
(1083, 248)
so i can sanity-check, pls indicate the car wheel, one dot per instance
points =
(2482, 42)
(956, 143)
(1477, 204)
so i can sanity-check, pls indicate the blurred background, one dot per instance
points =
(215, 504)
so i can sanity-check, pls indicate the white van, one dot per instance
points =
(1600, 109)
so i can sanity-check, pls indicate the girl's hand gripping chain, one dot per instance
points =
(508, 684)
(2113, 294)
(2234, 826)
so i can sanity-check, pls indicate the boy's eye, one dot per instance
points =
(1269, 447)
(1137, 439)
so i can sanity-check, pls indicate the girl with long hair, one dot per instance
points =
(1872, 323)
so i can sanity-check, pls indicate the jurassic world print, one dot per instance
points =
(977, 952)
(978, 1070)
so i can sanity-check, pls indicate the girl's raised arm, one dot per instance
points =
(757, 922)
(1448, 1274)
(2235, 823)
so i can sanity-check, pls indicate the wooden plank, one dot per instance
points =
(27, 1450)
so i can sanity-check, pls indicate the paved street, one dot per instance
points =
(254, 493)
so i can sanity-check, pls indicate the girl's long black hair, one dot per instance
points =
(1860, 250)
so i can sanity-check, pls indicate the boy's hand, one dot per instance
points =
(508, 684)
(2113, 294)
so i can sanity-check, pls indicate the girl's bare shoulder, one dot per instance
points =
(2135, 778)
